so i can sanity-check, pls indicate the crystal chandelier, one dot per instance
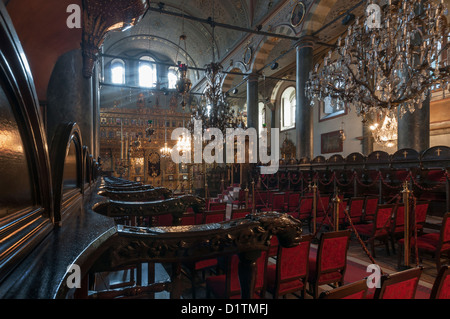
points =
(386, 133)
(387, 67)
(165, 151)
(184, 143)
(215, 111)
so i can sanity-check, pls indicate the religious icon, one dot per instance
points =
(248, 55)
(298, 13)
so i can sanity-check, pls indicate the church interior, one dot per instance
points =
(238, 149)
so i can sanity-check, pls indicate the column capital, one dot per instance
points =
(252, 77)
(306, 41)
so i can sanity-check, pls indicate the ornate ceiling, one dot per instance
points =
(41, 27)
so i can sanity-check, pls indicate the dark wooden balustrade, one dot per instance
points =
(126, 245)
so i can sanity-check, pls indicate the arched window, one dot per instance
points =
(288, 106)
(172, 78)
(117, 71)
(147, 72)
(261, 117)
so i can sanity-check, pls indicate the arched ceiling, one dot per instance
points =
(160, 33)
(41, 27)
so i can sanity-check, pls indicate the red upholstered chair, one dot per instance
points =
(227, 285)
(355, 290)
(214, 216)
(421, 215)
(240, 202)
(209, 217)
(162, 220)
(379, 229)
(305, 210)
(293, 204)
(441, 286)
(273, 248)
(355, 209)
(400, 285)
(397, 229)
(329, 264)
(435, 244)
(276, 203)
(217, 206)
(370, 207)
(189, 218)
(328, 221)
(240, 213)
(323, 204)
(261, 199)
(290, 272)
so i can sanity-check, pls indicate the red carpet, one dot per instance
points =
(356, 271)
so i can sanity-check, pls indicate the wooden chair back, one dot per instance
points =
(400, 285)
(355, 290)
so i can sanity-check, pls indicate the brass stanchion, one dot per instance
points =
(246, 197)
(336, 202)
(406, 193)
(253, 197)
(314, 189)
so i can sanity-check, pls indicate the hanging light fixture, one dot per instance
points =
(386, 133)
(183, 84)
(388, 68)
(184, 142)
(165, 151)
(215, 110)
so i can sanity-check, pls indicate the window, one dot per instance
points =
(172, 78)
(288, 106)
(117, 71)
(147, 72)
(261, 116)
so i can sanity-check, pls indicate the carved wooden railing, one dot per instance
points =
(175, 206)
(378, 173)
(137, 195)
(125, 245)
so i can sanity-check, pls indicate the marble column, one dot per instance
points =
(252, 121)
(367, 141)
(252, 101)
(304, 111)
(414, 128)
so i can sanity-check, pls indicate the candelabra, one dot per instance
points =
(388, 68)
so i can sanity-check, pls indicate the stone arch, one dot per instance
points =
(267, 44)
(228, 79)
(316, 15)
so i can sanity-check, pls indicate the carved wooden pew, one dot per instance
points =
(137, 195)
(176, 206)
(124, 245)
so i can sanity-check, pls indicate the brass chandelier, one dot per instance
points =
(387, 68)
(214, 110)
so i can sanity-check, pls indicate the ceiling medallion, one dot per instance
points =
(248, 53)
(297, 14)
